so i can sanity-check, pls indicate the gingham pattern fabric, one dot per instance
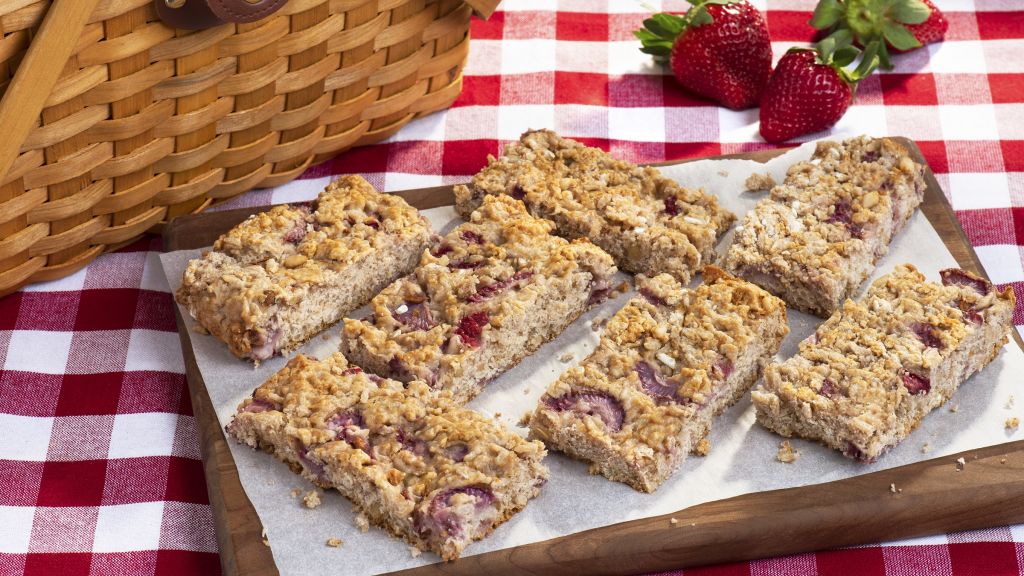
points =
(99, 458)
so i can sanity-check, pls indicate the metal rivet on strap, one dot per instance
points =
(175, 3)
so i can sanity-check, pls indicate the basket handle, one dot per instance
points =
(200, 14)
(38, 72)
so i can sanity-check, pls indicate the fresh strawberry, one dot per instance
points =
(896, 25)
(718, 49)
(810, 90)
(931, 30)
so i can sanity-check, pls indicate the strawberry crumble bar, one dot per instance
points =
(410, 460)
(871, 372)
(669, 362)
(648, 223)
(282, 276)
(816, 237)
(493, 290)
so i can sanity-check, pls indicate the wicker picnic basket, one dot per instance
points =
(114, 120)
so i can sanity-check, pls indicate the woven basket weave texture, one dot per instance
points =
(147, 122)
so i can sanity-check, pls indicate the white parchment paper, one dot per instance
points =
(742, 457)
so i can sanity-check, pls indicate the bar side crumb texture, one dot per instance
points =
(669, 362)
(870, 373)
(816, 237)
(410, 460)
(648, 223)
(490, 293)
(282, 276)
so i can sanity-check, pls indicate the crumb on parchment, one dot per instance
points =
(758, 182)
(954, 408)
(362, 523)
(1012, 424)
(296, 492)
(926, 448)
(1009, 402)
(703, 447)
(311, 499)
(786, 453)
(567, 357)
(335, 542)
(414, 551)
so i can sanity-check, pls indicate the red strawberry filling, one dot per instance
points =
(657, 387)
(600, 289)
(296, 233)
(416, 316)
(465, 265)
(518, 193)
(458, 513)
(652, 297)
(856, 453)
(843, 214)
(348, 426)
(412, 443)
(471, 237)
(457, 451)
(722, 369)
(471, 328)
(440, 250)
(828, 388)
(310, 463)
(915, 383)
(671, 207)
(258, 405)
(352, 370)
(969, 313)
(926, 334)
(485, 292)
(264, 344)
(603, 406)
(955, 276)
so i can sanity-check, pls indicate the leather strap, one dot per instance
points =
(199, 14)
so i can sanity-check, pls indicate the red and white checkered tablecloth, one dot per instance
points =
(99, 457)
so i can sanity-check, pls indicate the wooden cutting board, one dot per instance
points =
(936, 498)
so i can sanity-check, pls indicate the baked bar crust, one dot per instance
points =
(648, 223)
(410, 460)
(870, 373)
(494, 290)
(669, 362)
(816, 237)
(281, 276)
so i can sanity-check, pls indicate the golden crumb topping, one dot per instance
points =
(481, 274)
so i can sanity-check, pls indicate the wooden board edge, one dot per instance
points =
(237, 525)
(653, 543)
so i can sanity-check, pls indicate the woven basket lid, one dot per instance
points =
(483, 8)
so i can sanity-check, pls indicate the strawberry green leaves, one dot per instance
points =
(897, 24)
(659, 33)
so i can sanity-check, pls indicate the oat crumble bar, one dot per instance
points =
(870, 373)
(669, 362)
(816, 237)
(490, 293)
(648, 223)
(280, 277)
(410, 460)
